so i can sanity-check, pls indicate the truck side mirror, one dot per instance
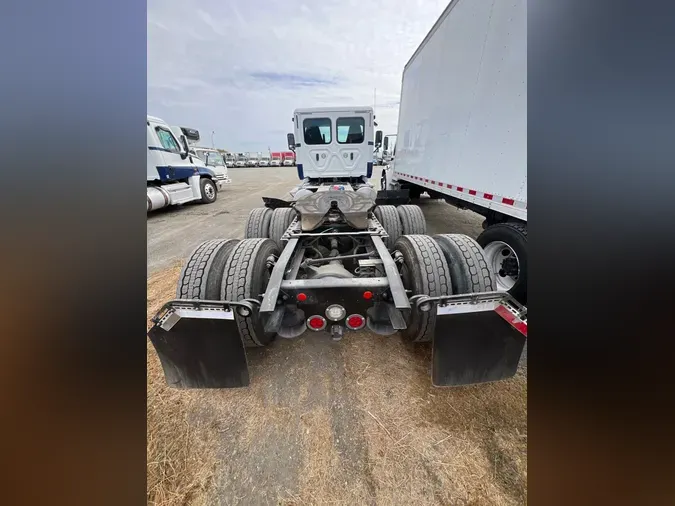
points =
(291, 141)
(386, 143)
(186, 150)
(378, 138)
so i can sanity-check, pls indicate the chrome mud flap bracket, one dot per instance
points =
(478, 337)
(199, 345)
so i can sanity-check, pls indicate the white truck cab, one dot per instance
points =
(241, 160)
(215, 163)
(335, 142)
(264, 161)
(252, 160)
(174, 176)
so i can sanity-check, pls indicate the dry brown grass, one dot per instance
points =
(180, 462)
(355, 422)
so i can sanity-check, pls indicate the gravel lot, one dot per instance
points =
(353, 422)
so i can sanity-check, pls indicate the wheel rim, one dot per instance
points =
(497, 253)
(209, 190)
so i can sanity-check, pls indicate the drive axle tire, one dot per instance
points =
(507, 242)
(279, 223)
(202, 273)
(425, 272)
(208, 190)
(412, 220)
(388, 218)
(246, 277)
(469, 271)
(258, 223)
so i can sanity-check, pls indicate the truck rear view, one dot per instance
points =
(462, 130)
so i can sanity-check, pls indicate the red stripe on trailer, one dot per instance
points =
(472, 192)
(516, 323)
(487, 196)
(507, 201)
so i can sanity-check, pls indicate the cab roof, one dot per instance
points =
(355, 109)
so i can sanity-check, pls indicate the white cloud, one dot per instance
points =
(240, 68)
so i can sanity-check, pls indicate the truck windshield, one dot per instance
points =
(214, 159)
(350, 130)
(316, 131)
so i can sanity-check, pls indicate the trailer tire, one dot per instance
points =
(424, 271)
(469, 270)
(412, 220)
(513, 236)
(202, 273)
(388, 218)
(258, 223)
(208, 191)
(246, 277)
(281, 219)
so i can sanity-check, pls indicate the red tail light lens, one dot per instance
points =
(301, 297)
(316, 322)
(367, 295)
(356, 322)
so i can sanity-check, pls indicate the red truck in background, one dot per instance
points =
(276, 158)
(288, 158)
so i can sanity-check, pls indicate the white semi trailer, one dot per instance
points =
(462, 127)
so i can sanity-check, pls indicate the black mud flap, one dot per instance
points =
(392, 197)
(476, 344)
(199, 348)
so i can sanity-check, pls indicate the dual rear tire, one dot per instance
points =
(231, 270)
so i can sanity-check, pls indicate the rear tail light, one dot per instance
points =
(316, 323)
(356, 322)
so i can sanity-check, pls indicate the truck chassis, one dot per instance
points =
(333, 260)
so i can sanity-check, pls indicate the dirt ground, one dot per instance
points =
(352, 422)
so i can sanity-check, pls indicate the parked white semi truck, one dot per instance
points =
(252, 160)
(215, 163)
(462, 127)
(242, 159)
(174, 175)
(264, 161)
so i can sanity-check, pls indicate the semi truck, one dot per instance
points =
(385, 151)
(337, 258)
(288, 158)
(252, 160)
(230, 159)
(174, 174)
(242, 160)
(215, 163)
(462, 127)
(275, 161)
(264, 161)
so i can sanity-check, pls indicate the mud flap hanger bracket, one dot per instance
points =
(171, 312)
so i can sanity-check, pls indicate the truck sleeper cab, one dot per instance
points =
(174, 176)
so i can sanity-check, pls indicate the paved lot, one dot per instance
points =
(173, 232)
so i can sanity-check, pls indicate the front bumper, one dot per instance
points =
(222, 181)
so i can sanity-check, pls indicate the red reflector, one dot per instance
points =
(367, 295)
(355, 321)
(301, 297)
(316, 322)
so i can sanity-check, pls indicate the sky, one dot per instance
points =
(240, 67)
